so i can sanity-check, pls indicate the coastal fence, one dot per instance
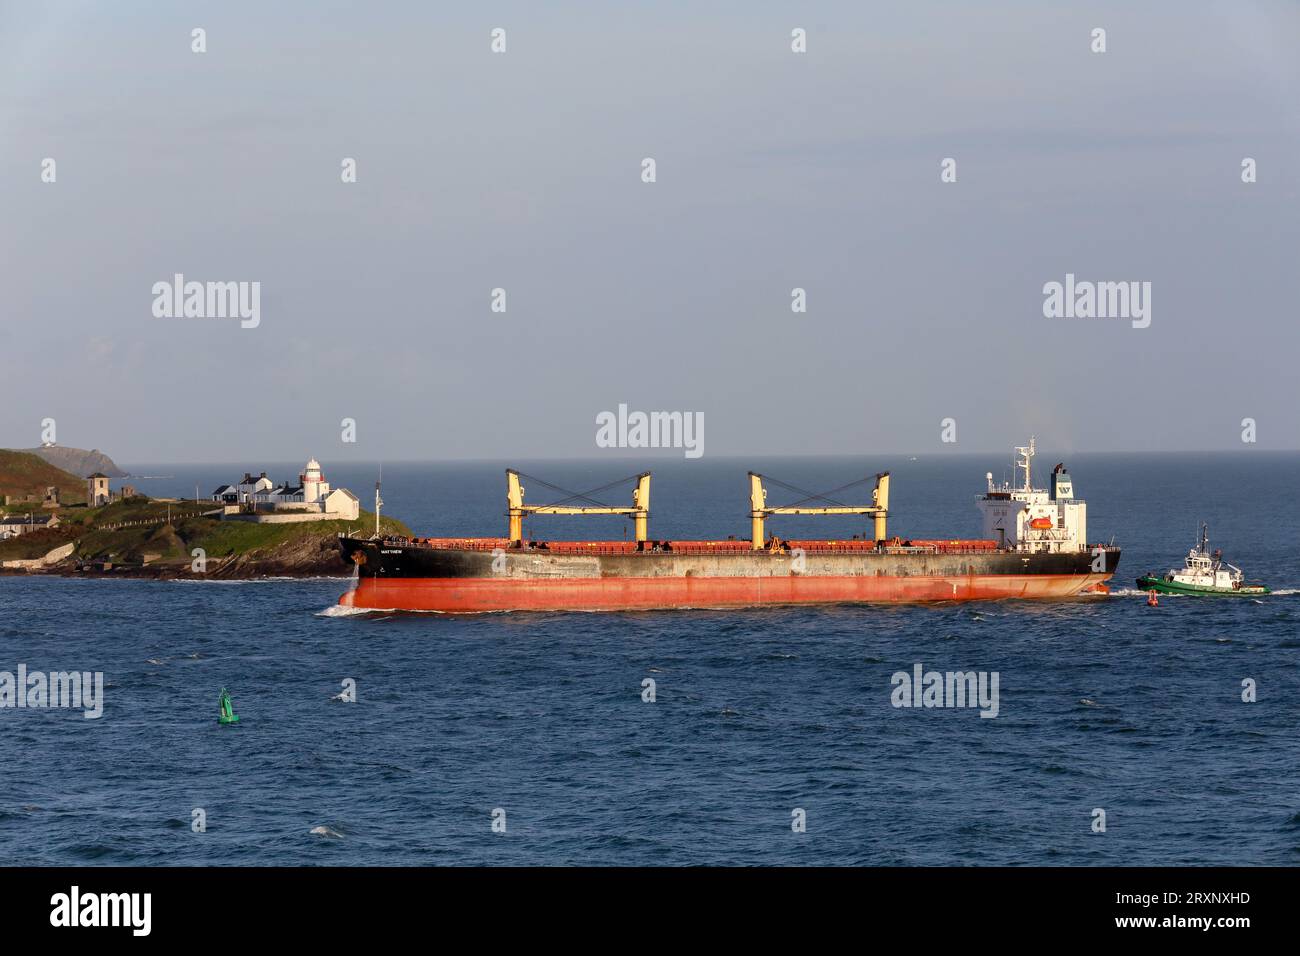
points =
(176, 516)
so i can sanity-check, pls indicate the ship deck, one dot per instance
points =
(834, 546)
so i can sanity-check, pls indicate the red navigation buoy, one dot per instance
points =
(1151, 598)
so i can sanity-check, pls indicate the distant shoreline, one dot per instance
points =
(151, 539)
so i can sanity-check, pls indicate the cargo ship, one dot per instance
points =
(1035, 546)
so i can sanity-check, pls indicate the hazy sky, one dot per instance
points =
(522, 171)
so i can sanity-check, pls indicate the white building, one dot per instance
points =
(249, 486)
(279, 495)
(310, 499)
(226, 495)
(343, 505)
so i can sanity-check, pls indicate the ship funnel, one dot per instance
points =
(1062, 486)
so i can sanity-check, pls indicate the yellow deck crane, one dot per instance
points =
(878, 509)
(639, 512)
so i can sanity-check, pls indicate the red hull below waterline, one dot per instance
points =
(468, 595)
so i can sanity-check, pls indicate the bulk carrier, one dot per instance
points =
(1034, 546)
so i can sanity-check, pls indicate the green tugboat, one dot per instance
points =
(228, 715)
(1203, 573)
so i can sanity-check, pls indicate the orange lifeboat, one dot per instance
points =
(1041, 524)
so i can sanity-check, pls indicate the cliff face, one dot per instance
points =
(78, 461)
(308, 555)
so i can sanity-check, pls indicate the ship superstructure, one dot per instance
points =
(1021, 517)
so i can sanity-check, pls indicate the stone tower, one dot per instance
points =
(97, 490)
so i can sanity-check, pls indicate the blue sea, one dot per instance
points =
(760, 717)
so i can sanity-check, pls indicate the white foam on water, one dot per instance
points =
(338, 610)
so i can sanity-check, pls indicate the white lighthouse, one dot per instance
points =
(314, 485)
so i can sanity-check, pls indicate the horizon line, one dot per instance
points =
(664, 456)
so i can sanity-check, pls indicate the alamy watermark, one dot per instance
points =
(1098, 300)
(923, 688)
(626, 429)
(76, 690)
(208, 300)
(76, 908)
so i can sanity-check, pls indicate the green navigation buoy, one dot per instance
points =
(228, 715)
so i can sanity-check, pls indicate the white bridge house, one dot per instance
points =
(1026, 518)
